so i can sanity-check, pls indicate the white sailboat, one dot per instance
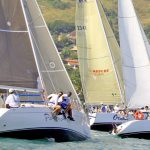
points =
(100, 63)
(136, 68)
(28, 53)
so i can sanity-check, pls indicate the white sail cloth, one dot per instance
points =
(136, 63)
(96, 48)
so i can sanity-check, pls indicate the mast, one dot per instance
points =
(22, 4)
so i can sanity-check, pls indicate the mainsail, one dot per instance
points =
(31, 52)
(135, 55)
(17, 63)
(98, 55)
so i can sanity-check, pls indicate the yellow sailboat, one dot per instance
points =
(100, 64)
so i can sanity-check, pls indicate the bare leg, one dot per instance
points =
(57, 109)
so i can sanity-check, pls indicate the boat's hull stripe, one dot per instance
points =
(143, 134)
(105, 126)
(59, 134)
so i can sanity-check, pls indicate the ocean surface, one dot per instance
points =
(99, 141)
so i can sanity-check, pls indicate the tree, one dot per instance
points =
(59, 4)
(147, 31)
(66, 53)
(59, 26)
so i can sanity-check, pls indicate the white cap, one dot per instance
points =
(11, 90)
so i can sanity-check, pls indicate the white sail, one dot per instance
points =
(95, 42)
(136, 62)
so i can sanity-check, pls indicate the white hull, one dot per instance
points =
(105, 121)
(134, 128)
(37, 122)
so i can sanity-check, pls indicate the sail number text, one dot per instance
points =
(81, 27)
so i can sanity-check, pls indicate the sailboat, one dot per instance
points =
(100, 63)
(136, 68)
(28, 54)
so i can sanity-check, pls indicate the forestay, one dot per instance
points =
(98, 54)
(136, 62)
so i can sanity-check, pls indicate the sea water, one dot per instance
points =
(99, 141)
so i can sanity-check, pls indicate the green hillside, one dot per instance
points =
(53, 12)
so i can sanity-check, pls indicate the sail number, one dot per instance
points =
(81, 27)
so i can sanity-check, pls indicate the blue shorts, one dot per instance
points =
(63, 105)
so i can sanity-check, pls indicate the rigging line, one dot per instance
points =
(2, 30)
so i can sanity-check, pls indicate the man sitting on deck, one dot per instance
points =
(64, 103)
(53, 99)
(13, 100)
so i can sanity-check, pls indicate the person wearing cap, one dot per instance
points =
(13, 100)
(103, 108)
(116, 108)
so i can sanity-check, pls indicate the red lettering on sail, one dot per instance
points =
(98, 72)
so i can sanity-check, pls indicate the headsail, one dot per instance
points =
(17, 63)
(136, 62)
(145, 38)
(51, 69)
(96, 44)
